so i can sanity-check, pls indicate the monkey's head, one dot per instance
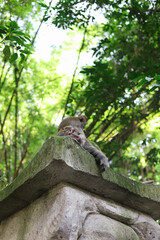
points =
(79, 122)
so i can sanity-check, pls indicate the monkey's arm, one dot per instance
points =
(79, 136)
(99, 156)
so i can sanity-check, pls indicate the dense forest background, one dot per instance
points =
(118, 89)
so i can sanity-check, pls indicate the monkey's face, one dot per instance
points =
(76, 133)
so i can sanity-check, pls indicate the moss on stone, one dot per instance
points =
(62, 160)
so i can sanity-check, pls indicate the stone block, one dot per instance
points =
(61, 195)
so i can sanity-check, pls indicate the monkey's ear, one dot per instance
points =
(82, 118)
(83, 121)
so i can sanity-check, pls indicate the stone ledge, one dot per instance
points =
(62, 160)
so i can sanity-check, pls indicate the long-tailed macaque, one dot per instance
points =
(73, 127)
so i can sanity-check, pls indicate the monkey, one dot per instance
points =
(79, 122)
(77, 133)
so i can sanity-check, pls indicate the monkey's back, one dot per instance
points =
(79, 122)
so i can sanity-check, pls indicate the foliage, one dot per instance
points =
(119, 92)
(25, 92)
(15, 42)
(72, 13)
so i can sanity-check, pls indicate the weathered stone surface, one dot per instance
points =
(99, 227)
(116, 211)
(62, 196)
(68, 213)
(146, 228)
(62, 160)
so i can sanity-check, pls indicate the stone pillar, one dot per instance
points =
(62, 196)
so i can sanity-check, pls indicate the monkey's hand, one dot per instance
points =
(70, 132)
(103, 162)
(75, 135)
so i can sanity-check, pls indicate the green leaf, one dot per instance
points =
(13, 57)
(16, 39)
(157, 77)
(6, 52)
(22, 57)
(26, 51)
(42, 5)
(138, 78)
(143, 81)
(13, 25)
(20, 33)
(25, 65)
(3, 29)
